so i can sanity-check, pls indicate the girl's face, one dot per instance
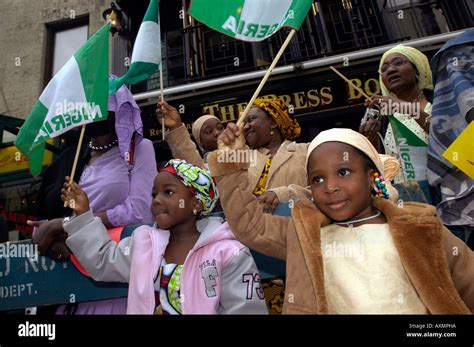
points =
(257, 127)
(340, 180)
(172, 202)
(210, 130)
(398, 73)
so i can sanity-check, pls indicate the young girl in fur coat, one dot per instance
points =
(349, 249)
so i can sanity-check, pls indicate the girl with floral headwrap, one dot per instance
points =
(186, 263)
(406, 84)
(349, 248)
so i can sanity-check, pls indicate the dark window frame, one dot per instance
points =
(51, 30)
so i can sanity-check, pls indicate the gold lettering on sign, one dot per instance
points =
(241, 107)
(327, 97)
(286, 99)
(372, 87)
(211, 109)
(227, 113)
(354, 93)
(300, 100)
(313, 98)
(305, 99)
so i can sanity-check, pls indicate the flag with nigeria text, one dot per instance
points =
(76, 95)
(250, 20)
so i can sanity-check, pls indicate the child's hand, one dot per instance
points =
(231, 138)
(76, 198)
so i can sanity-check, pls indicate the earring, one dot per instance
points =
(271, 131)
(195, 212)
(379, 189)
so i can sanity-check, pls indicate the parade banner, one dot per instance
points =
(250, 20)
(146, 55)
(77, 95)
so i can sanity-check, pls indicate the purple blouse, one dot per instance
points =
(124, 194)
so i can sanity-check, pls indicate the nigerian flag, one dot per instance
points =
(250, 20)
(412, 149)
(75, 96)
(146, 53)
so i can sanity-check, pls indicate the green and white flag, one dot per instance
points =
(76, 95)
(250, 20)
(413, 151)
(146, 55)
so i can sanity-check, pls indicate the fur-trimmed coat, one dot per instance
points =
(439, 265)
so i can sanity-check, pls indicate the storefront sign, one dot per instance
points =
(11, 159)
(317, 97)
(332, 95)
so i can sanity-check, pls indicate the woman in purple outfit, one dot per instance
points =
(116, 169)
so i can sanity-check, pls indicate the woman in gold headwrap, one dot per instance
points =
(406, 84)
(270, 129)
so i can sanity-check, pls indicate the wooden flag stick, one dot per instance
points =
(243, 115)
(74, 165)
(349, 81)
(162, 98)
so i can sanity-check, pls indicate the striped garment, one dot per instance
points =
(453, 75)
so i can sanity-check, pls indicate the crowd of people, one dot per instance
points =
(350, 246)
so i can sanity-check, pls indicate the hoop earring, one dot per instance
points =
(379, 190)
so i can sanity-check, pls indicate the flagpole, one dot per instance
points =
(162, 98)
(74, 165)
(243, 115)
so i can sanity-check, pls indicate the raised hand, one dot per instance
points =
(231, 138)
(168, 114)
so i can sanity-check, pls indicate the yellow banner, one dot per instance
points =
(461, 151)
(11, 159)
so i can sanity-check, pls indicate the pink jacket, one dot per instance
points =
(202, 278)
(219, 274)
